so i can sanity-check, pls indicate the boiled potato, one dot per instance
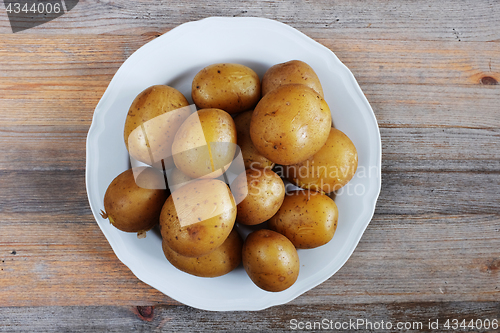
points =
(290, 124)
(152, 121)
(134, 205)
(332, 167)
(251, 157)
(270, 260)
(205, 144)
(230, 87)
(260, 193)
(177, 179)
(294, 71)
(307, 218)
(221, 261)
(197, 217)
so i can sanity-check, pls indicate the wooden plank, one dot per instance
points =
(440, 149)
(392, 19)
(65, 83)
(162, 318)
(45, 148)
(63, 259)
(40, 148)
(403, 192)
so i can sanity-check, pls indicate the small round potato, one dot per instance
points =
(260, 193)
(197, 218)
(307, 218)
(221, 261)
(152, 121)
(294, 71)
(290, 124)
(134, 205)
(230, 87)
(270, 260)
(332, 167)
(205, 144)
(251, 157)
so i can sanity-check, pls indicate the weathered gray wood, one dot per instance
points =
(65, 260)
(415, 192)
(414, 20)
(41, 148)
(277, 319)
(445, 89)
(432, 251)
(436, 149)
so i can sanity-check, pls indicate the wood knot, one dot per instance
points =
(488, 80)
(145, 313)
(493, 265)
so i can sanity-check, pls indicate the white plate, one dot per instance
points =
(173, 59)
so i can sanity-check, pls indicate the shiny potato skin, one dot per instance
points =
(155, 101)
(219, 262)
(132, 208)
(270, 260)
(290, 124)
(177, 179)
(198, 199)
(205, 144)
(307, 218)
(331, 168)
(251, 156)
(293, 71)
(230, 87)
(262, 192)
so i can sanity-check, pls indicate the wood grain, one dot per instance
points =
(67, 261)
(432, 250)
(467, 20)
(64, 84)
(277, 319)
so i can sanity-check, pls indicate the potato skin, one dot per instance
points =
(251, 156)
(293, 71)
(221, 261)
(210, 204)
(132, 208)
(155, 101)
(205, 144)
(270, 260)
(177, 179)
(332, 167)
(307, 218)
(290, 124)
(260, 193)
(230, 87)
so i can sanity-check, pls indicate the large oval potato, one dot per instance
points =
(230, 87)
(134, 205)
(332, 167)
(152, 121)
(307, 218)
(197, 218)
(205, 144)
(260, 193)
(221, 261)
(294, 71)
(251, 156)
(270, 260)
(290, 124)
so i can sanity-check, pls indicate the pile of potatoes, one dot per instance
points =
(280, 123)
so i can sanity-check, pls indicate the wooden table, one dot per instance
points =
(432, 251)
